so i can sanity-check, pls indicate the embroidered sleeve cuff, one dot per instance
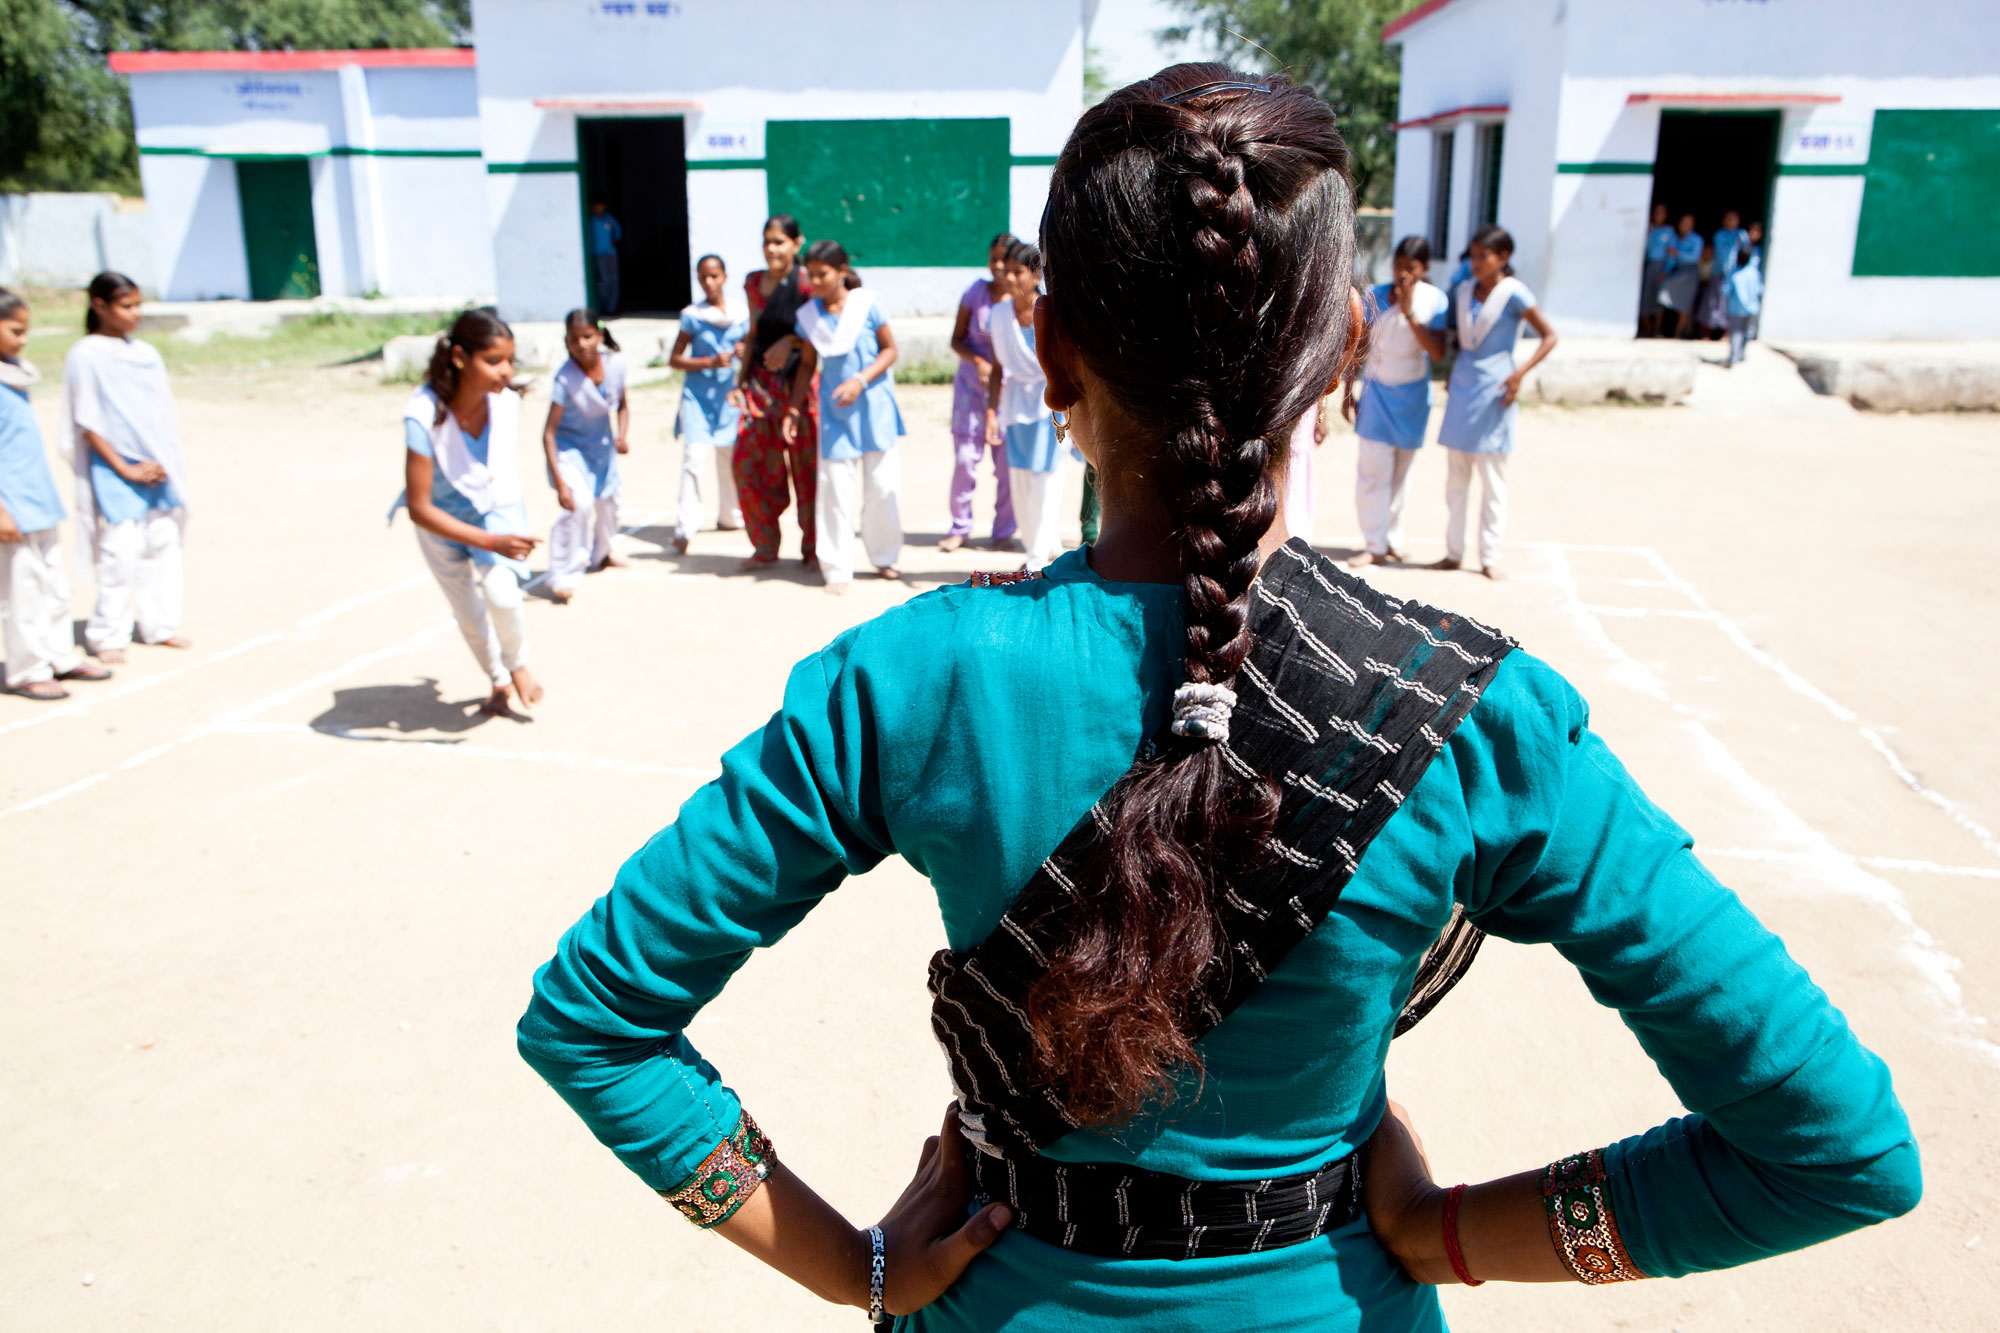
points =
(726, 1177)
(1581, 1223)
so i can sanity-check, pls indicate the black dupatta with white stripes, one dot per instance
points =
(1345, 699)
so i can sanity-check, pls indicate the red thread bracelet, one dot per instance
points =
(1451, 1250)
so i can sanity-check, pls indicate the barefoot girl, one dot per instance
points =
(705, 352)
(34, 583)
(846, 343)
(972, 343)
(1195, 806)
(1479, 409)
(1405, 335)
(132, 488)
(766, 452)
(589, 419)
(1020, 420)
(462, 481)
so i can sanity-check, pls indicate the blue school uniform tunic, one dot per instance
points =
(1727, 242)
(27, 487)
(1746, 292)
(904, 737)
(707, 416)
(509, 518)
(872, 422)
(1397, 414)
(1475, 419)
(587, 434)
(1659, 241)
(1031, 445)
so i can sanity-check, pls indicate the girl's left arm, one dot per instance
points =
(802, 385)
(563, 497)
(624, 422)
(1540, 324)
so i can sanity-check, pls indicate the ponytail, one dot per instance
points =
(834, 255)
(1496, 239)
(583, 317)
(106, 286)
(474, 330)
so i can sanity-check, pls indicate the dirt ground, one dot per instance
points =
(271, 906)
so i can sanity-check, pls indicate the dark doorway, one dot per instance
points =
(637, 168)
(1709, 162)
(278, 239)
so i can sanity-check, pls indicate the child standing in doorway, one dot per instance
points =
(1746, 301)
(1659, 243)
(587, 428)
(462, 481)
(1020, 422)
(1683, 281)
(1479, 409)
(605, 236)
(972, 342)
(705, 352)
(1406, 334)
(132, 487)
(1722, 266)
(34, 584)
(846, 339)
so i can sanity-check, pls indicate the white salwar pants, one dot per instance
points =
(1381, 475)
(1492, 469)
(581, 537)
(34, 603)
(487, 603)
(138, 581)
(866, 486)
(1038, 508)
(688, 512)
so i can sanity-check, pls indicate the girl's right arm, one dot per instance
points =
(802, 384)
(681, 361)
(139, 474)
(417, 494)
(563, 497)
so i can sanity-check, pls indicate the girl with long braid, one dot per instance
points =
(1209, 820)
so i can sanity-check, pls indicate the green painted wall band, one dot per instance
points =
(338, 150)
(726, 164)
(1604, 168)
(531, 168)
(1822, 169)
(1031, 160)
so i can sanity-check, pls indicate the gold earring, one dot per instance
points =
(1062, 426)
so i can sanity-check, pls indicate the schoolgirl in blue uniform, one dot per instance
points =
(585, 432)
(1659, 243)
(1406, 334)
(705, 352)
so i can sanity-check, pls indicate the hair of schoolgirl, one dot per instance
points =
(583, 317)
(1027, 254)
(785, 223)
(1495, 238)
(1199, 256)
(1007, 238)
(718, 263)
(1416, 249)
(13, 303)
(106, 286)
(834, 255)
(474, 330)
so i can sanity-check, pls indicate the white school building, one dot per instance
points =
(910, 130)
(1865, 137)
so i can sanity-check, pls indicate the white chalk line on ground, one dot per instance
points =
(1799, 841)
(468, 750)
(97, 697)
(1908, 864)
(232, 717)
(1737, 635)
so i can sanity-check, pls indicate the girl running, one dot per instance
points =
(1406, 334)
(34, 583)
(132, 486)
(1019, 421)
(589, 419)
(847, 349)
(462, 481)
(972, 341)
(1479, 409)
(705, 352)
(766, 450)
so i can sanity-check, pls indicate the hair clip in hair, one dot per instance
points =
(1201, 711)
(1215, 86)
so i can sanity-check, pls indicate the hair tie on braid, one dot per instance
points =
(1201, 711)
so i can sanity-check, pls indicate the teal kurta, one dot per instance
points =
(969, 729)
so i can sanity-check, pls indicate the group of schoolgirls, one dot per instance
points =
(1713, 286)
(131, 495)
(1409, 319)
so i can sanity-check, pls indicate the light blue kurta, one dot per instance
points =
(872, 422)
(27, 487)
(905, 736)
(707, 416)
(1396, 414)
(587, 434)
(511, 519)
(1476, 420)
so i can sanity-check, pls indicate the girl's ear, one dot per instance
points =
(457, 358)
(1058, 356)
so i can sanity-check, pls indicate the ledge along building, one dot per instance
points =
(1866, 139)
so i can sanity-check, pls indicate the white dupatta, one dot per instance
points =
(1394, 354)
(491, 485)
(1022, 380)
(831, 338)
(116, 388)
(1472, 331)
(591, 399)
(721, 316)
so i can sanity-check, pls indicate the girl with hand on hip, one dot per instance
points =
(1479, 408)
(588, 426)
(132, 486)
(34, 584)
(972, 342)
(1405, 336)
(846, 343)
(1020, 422)
(462, 482)
(705, 352)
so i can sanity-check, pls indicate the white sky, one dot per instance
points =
(1123, 36)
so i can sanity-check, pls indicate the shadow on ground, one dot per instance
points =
(406, 709)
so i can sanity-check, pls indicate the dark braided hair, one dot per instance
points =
(1198, 255)
(473, 331)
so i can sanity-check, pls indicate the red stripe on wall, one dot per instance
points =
(271, 62)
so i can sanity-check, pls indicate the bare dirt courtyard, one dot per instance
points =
(270, 907)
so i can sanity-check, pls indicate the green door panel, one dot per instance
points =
(278, 228)
(904, 193)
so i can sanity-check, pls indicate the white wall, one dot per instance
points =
(64, 240)
(197, 227)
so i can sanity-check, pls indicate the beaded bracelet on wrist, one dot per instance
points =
(1581, 1223)
(726, 1177)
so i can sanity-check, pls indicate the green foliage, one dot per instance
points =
(320, 339)
(927, 372)
(65, 119)
(1096, 80)
(1332, 46)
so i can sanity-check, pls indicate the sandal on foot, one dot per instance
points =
(45, 690)
(85, 671)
